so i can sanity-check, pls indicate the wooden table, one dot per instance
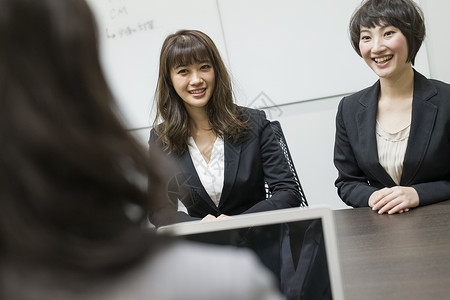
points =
(404, 256)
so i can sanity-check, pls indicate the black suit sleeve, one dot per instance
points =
(352, 183)
(277, 174)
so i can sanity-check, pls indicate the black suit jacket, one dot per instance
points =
(426, 166)
(257, 158)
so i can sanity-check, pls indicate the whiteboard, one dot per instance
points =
(277, 52)
(287, 51)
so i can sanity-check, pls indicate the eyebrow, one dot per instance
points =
(198, 62)
(381, 26)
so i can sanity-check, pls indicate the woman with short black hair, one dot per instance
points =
(392, 147)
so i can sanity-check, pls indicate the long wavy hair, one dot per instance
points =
(73, 181)
(186, 47)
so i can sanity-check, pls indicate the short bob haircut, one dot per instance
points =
(403, 14)
(183, 48)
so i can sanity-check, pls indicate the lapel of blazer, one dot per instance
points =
(187, 166)
(232, 156)
(422, 123)
(366, 122)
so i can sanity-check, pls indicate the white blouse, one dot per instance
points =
(391, 150)
(211, 174)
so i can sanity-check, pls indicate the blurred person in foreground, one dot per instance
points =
(73, 182)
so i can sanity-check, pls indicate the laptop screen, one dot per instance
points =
(297, 245)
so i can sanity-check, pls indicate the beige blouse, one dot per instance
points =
(391, 150)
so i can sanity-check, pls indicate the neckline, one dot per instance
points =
(398, 136)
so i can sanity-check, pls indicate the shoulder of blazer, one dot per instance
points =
(252, 112)
(364, 96)
(432, 90)
(363, 100)
(153, 139)
(440, 86)
(425, 89)
(255, 117)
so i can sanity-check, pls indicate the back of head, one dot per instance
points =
(403, 14)
(70, 174)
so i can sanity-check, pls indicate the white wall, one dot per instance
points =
(437, 41)
(309, 125)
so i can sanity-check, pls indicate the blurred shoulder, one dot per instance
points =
(193, 271)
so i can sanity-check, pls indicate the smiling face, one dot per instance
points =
(194, 84)
(385, 50)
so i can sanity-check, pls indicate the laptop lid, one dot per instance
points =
(297, 244)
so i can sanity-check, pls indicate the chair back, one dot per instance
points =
(276, 127)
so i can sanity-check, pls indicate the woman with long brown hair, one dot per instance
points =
(226, 153)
